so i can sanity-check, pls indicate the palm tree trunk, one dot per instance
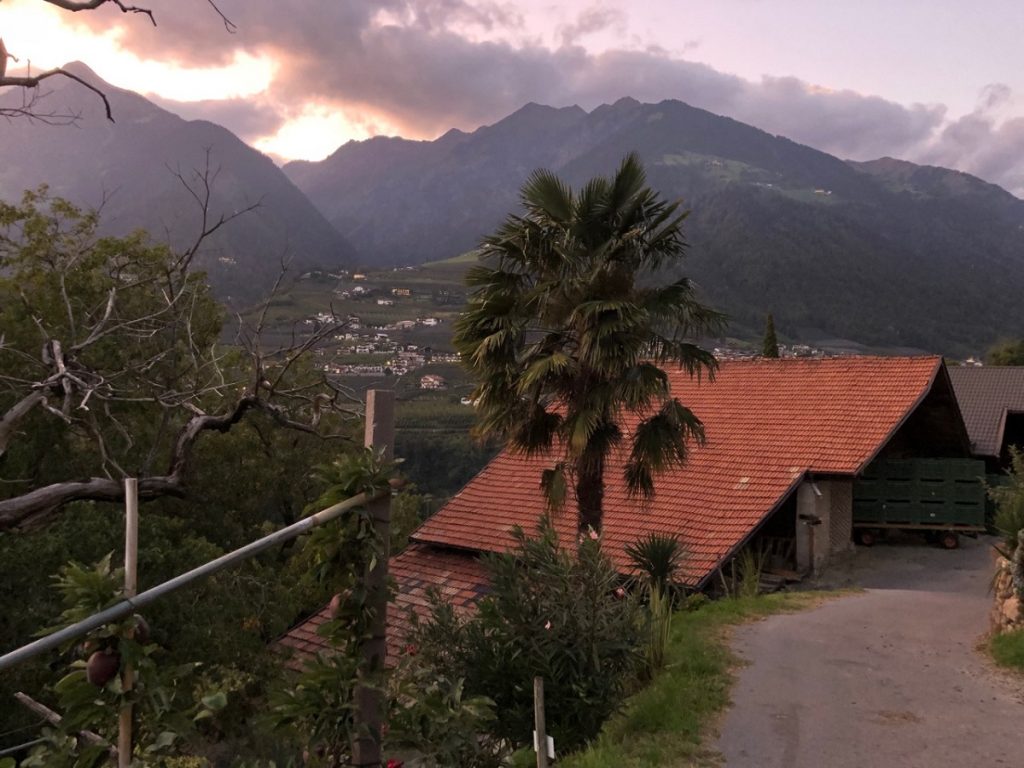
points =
(590, 492)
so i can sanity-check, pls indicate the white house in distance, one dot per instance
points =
(433, 381)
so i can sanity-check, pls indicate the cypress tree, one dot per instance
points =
(770, 345)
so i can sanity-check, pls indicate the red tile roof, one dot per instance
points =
(767, 423)
(458, 575)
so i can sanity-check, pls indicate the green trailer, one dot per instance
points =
(943, 497)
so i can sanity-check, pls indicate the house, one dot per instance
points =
(433, 381)
(991, 399)
(787, 440)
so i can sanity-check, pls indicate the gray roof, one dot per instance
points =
(985, 396)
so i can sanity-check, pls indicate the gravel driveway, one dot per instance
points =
(891, 677)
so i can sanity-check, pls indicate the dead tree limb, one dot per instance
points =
(31, 82)
(92, 360)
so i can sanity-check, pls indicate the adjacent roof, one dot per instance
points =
(768, 422)
(985, 396)
(457, 575)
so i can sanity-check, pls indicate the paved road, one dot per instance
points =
(888, 678)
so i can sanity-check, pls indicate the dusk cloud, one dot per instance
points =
(249, 119)
(424, 66)
(983, 142)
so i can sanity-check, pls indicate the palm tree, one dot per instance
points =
(566, 332)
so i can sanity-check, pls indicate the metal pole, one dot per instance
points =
(131, 587)
(539, 725)
(129, 606)
(379, 435)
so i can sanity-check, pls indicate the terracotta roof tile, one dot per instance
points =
(459, 575)
(767, 422)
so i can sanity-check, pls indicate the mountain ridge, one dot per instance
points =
(129, 167)
(775, 225)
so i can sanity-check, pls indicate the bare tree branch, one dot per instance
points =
(10, 420)
(33, 81)
(146, 317)
(91, 5)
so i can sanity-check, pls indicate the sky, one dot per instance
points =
(933, 81)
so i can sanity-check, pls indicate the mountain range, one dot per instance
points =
(129, 167)
(886, 252)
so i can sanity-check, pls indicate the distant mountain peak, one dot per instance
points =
(84, 71)
(131, 157)
(626, 102)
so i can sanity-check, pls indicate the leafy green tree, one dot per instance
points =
(166, 707)
(1007, 353)
(770, 344)
(566, 331)
(110, 365)
(323, 710)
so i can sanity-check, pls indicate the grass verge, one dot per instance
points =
(662, 725)
(1008, 649)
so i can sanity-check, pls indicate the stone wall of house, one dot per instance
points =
(824, 523)
(841, 516)
(1008, 587)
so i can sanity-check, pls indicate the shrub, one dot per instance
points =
(656, 557)
(551, 613)
(1009, 501)
(432, 717)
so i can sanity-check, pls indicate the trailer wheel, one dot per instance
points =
(866, 537)
(950, 540)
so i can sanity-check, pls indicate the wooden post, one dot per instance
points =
(538, 722)
(380, 434)
(131, 588)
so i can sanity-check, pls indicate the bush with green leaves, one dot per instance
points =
(166, 700)
(553, 613)
(1009, 501)
(435, 721)
(318, 709)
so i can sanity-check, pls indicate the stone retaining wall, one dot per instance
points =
(1008, 588)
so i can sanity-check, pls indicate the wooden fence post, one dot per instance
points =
(380, 434)
(539, 726)
(131, 588)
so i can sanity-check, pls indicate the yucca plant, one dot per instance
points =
(656, 557)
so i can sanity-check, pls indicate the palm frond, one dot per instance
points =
(547, 195)
(660, 443)
(658, 557)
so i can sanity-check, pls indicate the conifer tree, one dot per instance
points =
(770, 345)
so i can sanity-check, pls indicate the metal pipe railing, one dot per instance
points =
(128, 606)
